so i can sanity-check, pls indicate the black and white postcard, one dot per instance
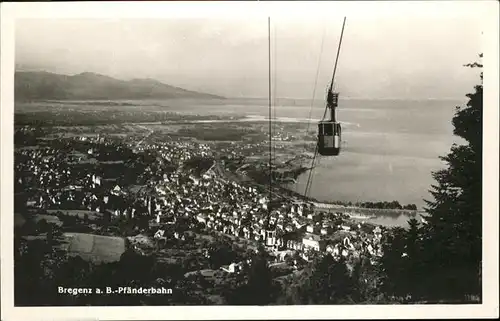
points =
(249, 160)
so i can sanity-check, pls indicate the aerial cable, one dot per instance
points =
(316, 81)
(275, 86)
(332, 83)
(270, 125)
(314, 92)
(326, 108)
(338, 53)
(309, 180)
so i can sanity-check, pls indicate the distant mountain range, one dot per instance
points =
(41, 85)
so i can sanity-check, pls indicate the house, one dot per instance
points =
(202, 218)
(168, 219)
(248, 233)
(269, 235)
(281, 255)
(232, 268)
(326, 230)
(96, 180)
(117, 190)
(313, 228)
(314, 241)
(159, 234)
(299, 225)
(305, 257)
(279, 244)
(347, 243)
(300, 210)
(294, 245)
(336, 250)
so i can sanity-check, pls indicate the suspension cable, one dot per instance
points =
(275, 87)
(326, 108)
(314, 92)
(338, 53)
(270, 122)
(310, 178)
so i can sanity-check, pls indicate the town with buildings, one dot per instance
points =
(174, 190)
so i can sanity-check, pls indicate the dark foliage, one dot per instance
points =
(198, 165)
(440, 261)
(454, 232)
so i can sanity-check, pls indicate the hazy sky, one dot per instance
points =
(380, 57)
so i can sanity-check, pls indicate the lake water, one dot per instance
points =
(390, 147)
(390, 220)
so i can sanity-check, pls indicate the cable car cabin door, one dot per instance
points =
(329, 138)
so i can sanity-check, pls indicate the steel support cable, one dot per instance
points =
(315, 84)
(270, 125)
(338, 53)
(309, 180)
(275, 87)
(312, 101)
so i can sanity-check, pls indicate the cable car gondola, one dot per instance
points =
(330, 131)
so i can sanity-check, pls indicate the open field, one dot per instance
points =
(92, 215)
(49, 218)
(95, 248)
(19, 219)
